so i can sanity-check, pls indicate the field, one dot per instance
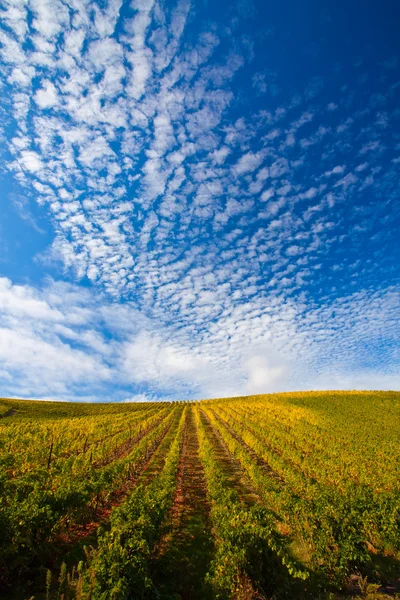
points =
(277, 496)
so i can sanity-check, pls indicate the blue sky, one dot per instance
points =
(198, 199)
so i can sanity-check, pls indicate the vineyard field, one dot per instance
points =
(278, 496)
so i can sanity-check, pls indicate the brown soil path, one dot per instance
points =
(88, 446)
(239, 481)
(271, 447)
(231, 467)
(184, 554)
(126, 447)
(69, 546)
(9, 413)
(260, 462)
(145, 470)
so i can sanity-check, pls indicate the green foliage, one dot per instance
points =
(247, 543)
(48, 584)
(38, 503)
(315, 498)
(121, 561)
(311, 460)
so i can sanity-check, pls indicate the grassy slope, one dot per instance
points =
(47, 409)
(315, 400)
(372, 413)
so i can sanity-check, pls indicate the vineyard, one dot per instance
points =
(262, 497)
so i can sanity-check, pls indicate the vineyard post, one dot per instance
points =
(50, 453)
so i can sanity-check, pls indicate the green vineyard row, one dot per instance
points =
(292, 496)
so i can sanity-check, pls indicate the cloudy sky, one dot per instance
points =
(198, 199)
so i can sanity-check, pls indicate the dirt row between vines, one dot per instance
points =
(88, 446)
(182, 558)
(11, 412)
(231, 467)
(69, 546)
(126, 447)
(260, 462)
(145, 471)
(271, 447)
(239, 481)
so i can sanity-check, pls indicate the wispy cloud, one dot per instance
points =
(224, 226)
(62, 341)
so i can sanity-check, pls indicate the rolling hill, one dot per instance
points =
(291, 495)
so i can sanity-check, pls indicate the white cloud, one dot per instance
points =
(47, 96)
(50, 16)
(248, 162)
(47, 364)
(278, 168)
(267, 194)
(165, 190)
(264, 375)
(139, 398)
(23, 301)
(31, 161)
(73, 41)
(22, 75)
(104, 52)
(63, 341)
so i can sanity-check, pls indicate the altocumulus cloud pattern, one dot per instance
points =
(201, 200)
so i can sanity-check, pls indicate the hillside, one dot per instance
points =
(276, 496)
